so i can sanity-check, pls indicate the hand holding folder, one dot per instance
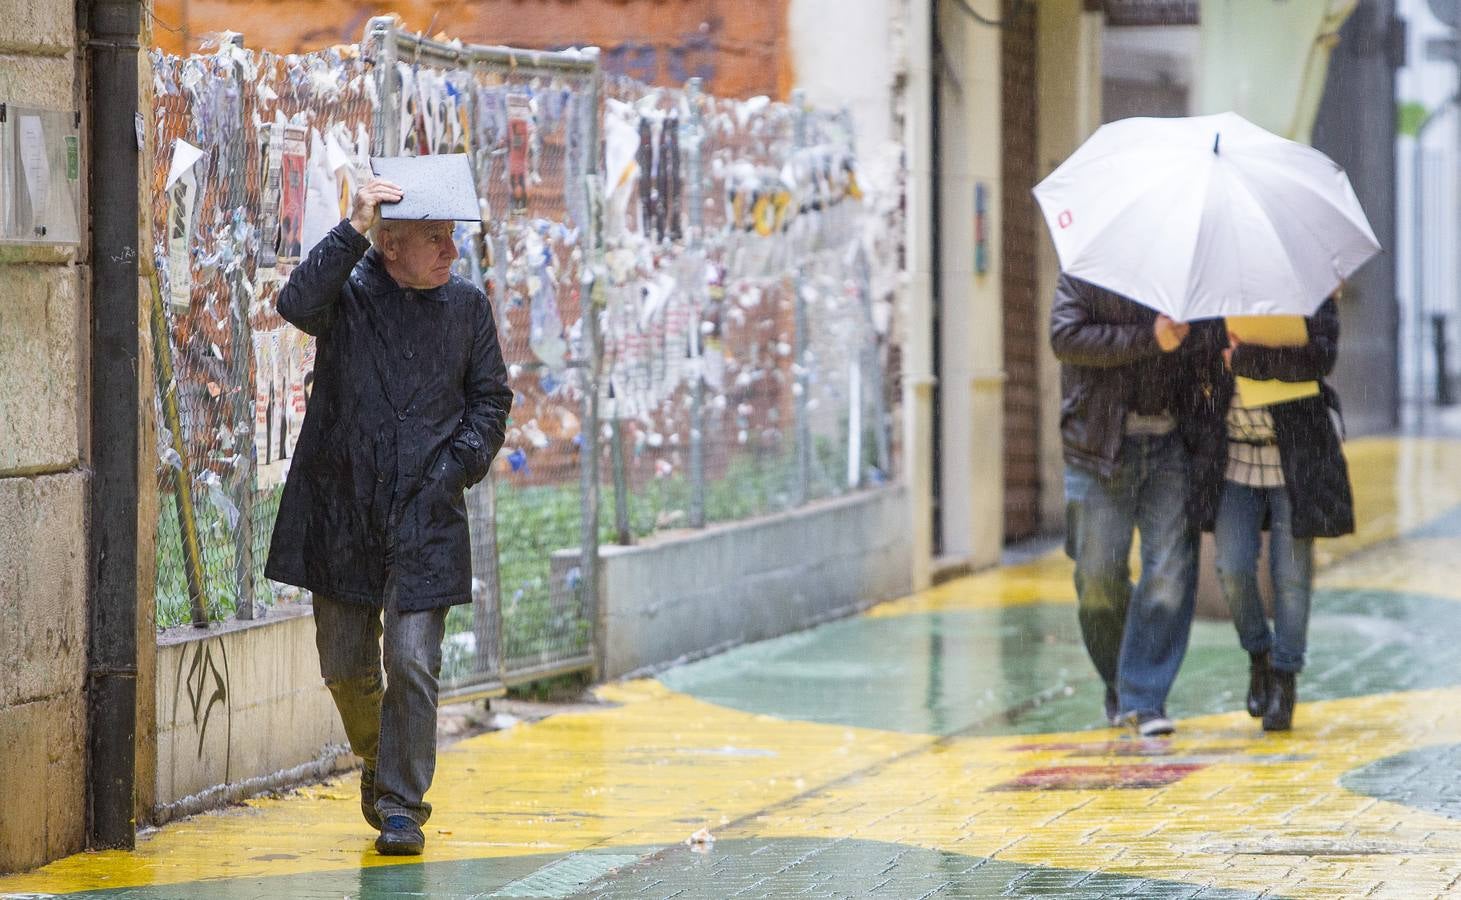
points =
(1271, 331)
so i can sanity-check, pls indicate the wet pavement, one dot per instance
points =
(946, 745)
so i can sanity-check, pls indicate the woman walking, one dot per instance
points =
(1276, 467)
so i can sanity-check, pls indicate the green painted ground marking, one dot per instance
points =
(855, 868)
(565, 877)
(753, 868)
(1023, 669)
(1424, 779)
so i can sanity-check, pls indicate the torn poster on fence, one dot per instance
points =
(271, 152)
(182, 201)
(284, 376)
(291, 196)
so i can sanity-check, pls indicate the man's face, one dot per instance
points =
(419, 254)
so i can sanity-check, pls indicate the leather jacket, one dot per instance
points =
(1110, 363)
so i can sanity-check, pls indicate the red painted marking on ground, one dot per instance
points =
(1099, 778)
(1143, 747)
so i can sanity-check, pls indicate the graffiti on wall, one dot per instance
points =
(201, 691)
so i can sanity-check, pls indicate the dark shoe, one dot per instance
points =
(367, 798)
(1260, 682)
(1280, 715)
(1153, 724)
(400, 837)
(1113, 707)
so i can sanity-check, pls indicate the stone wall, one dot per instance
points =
(241, 709)
(43, 488)
(689, 594)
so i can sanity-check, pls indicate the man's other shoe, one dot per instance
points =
(367, 798)
(1280, 715)
(1260, 683)
(1113, 707)
(401, 836)
(1153, 724)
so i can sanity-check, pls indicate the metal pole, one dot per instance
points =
(387, 138)
(622, 532)
(870, 360)
(112, 48)
(591, 302)
(695, 246)
(488, 657)
(243, 398)
(1417, 213)
(803, 448)
(183, 477)
(1443, 381)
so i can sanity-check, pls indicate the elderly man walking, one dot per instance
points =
(409, 407)
(1127, 470)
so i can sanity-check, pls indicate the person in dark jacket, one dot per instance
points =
(1127, 471)
(1278, 467)
(409, 406)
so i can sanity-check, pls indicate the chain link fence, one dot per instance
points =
(528, 121)
(744, 337)
(234, 130)
(692, 295)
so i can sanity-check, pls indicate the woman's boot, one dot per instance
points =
(1282, 697)
(1260, 681)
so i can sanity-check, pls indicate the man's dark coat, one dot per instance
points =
(409, 407)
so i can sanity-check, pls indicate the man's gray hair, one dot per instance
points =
(381, 227)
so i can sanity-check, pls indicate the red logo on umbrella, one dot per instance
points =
(1065, 219)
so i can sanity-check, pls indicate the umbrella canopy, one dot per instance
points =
(1205, 216)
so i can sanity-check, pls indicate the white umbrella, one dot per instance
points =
(1205, 216)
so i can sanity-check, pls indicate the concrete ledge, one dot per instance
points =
(241, 708)
(687, 594)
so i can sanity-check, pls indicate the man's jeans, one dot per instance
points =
(1290, 562)
(391, 727)
(1136, 638)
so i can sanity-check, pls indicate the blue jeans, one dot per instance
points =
(390, 720)
(1290, 562)
(1136, 636)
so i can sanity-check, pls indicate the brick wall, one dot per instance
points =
(739, 48)
(1023, 328)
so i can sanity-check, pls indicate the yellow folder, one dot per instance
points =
(1271, 331)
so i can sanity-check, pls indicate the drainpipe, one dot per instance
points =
(111, 54)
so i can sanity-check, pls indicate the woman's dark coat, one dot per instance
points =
(1314, 470)
(409, 407)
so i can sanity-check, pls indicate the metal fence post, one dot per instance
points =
(243, 400)
(182, 473)
(869, 358)
(387, 136)
(803, 447)
(695, 219)
(623, 534)
(487, 603)
(591, 301)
